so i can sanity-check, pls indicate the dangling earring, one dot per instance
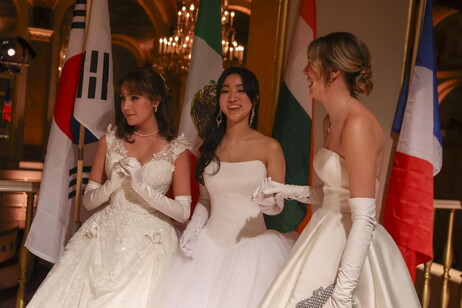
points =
(155, 108)
(219, 118)
(252, 115)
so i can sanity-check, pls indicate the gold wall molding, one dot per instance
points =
(39, 34)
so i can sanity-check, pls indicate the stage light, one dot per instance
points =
(12, 59)
(7, 50)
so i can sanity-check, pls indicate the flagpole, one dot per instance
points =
(418, 32)
(78, 188)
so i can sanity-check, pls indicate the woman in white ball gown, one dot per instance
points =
(118, 255)
(228, 258)
(342, 249)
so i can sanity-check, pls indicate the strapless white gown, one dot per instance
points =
(118, 255)
(313, 262)
(235, 256)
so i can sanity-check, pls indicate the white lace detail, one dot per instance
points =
(121, 250)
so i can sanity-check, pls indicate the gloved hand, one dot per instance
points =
(291, 192)
(178, 209)
(270, 204)
(198, 220)
(355, 252)
(96, 194)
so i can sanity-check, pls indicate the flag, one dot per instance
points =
(94, 103)
(52, 227)
(6, 115)
(205, 67)
(418, 158)
(206, 64)
(293, 121)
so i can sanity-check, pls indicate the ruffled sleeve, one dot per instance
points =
(180, 144)
(110, 135)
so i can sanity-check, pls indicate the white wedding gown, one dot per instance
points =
(314, 260)
(118, 255)
(235, 256)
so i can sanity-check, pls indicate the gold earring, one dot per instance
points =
(155, 108)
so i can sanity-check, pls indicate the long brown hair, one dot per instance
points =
(146, 82)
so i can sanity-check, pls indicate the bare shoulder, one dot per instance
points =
(266, 143)
(361, 125)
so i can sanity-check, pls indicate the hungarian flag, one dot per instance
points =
(418, 158)
(52, 225)
(6, 114)
(205, 67)
(293, 122)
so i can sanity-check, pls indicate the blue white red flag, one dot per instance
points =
(418, 158)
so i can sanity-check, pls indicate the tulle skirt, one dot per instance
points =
(216, 277)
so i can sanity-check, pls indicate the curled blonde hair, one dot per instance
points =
(343, 51)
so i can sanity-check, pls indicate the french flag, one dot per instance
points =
(418, 158)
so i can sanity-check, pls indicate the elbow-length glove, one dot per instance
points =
(303, 194)
(178, 209)
(198, 220)
(355, 252)
(96, 194)
(270, 204)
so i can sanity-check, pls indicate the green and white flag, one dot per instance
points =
(206, 64)
(292, 126)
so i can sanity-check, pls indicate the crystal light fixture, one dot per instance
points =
(174, 52)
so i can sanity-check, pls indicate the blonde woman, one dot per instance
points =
(342, 249)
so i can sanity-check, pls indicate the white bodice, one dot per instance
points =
(234, 217)
(331, 169)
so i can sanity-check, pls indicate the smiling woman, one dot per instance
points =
(228, 257)
(118, 255)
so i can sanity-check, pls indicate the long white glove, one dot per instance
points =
(178, 209)
(291, 192)
(355, 252)
(270, 204)
(96, 194)
(198, 220)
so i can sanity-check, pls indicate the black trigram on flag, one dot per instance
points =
(73, 180)
(93, 83)
(78, 21)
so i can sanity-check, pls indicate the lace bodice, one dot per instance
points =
(157, 171)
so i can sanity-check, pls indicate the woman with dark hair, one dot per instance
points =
(343, 249)
(118, 255)
(228, 257)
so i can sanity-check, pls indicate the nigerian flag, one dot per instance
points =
(206, 63)
(292, 126)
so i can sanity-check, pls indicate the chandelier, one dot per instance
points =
(174, 52)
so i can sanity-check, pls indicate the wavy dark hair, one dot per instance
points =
(146, 82)
(214, 133)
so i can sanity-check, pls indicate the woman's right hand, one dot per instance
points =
(286, 191)
(269, 203)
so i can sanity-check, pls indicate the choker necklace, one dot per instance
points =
(339, 113)
(146, 135)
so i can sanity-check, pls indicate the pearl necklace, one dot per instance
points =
(339, 113)
(146, 135)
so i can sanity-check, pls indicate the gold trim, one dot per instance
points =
(40, 34)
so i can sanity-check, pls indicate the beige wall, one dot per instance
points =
(382, 26)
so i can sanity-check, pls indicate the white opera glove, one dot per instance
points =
(270, 204)
(291, 192)
(355, 252)
(198, 220)
(178, 209)
(96, 194)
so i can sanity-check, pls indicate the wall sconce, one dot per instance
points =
(10, 59)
